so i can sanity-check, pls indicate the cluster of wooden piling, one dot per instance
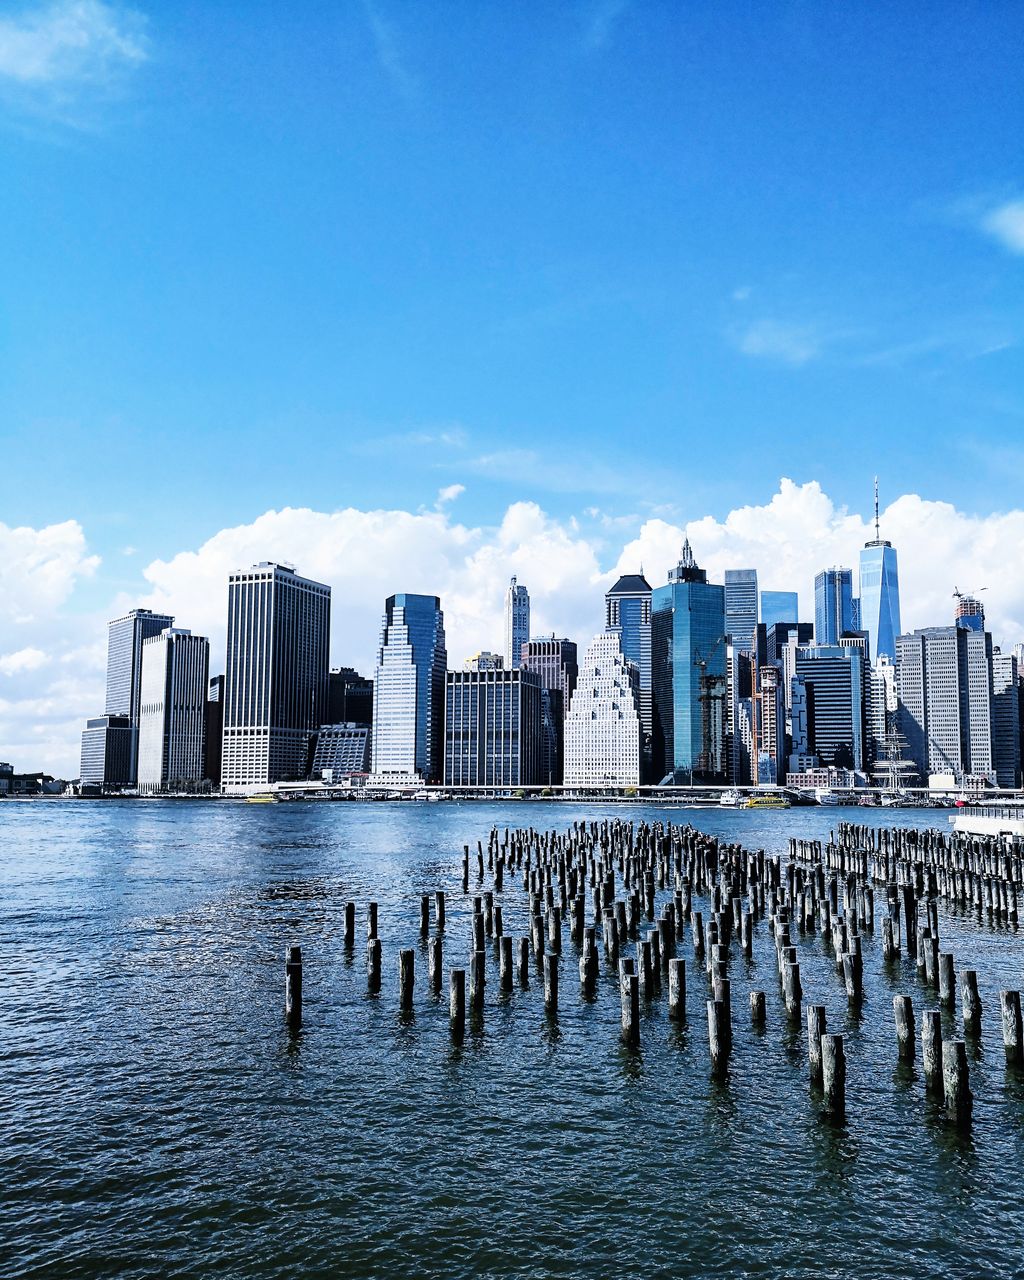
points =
(603, 880)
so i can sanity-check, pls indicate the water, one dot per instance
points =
(159, 1120)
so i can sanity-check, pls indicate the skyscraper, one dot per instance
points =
(602, 729)
(107, 745)
(275, 685)
(554, 660)
(172, 715)
(779, 606)
(408, 691)
(741, 607)
(879, 593)
(517, 623)
(627, 611)
(833, 605)
(944, 680)
(125, 637)
(349, 697)
(833, 677)
(214, 729)
(492, 728)
(1006, 719)
(970, 612)
(688, 674)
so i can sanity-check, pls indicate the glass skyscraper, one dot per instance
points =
(741, 607)
(779, 606)
(833, 605)
(688, 675)
(125, 637)
(172, 717)
(408, 691)
(275, 683)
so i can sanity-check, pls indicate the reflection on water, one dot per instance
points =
(160, 1118)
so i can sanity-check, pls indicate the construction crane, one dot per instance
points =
(967, 595)
(707, 761)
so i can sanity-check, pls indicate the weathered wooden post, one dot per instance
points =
(903, 1012)
(555, 931)
(970, 1002)
(947, 980)
(505, 962)
(815, 1030)
(757, 1008)
(293, 987)
(833, 1075)
(373, 961)
(677, 989)
(439, 908)
(551, 983)
(1013, 1041)
(406, 974)
(523, 963)
(853, 978)
(424, 914)
(477, 980)
(371, 919)
(792, 989)
(457, 1002)
(931, 1048)
(349, 936)
(956, 1086)
(889, 948)
(718, 1036)
(630, 997)
(435, 962)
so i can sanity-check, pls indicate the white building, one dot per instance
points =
(172, 710)
(602, 729)
(517, 624)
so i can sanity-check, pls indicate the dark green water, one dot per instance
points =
(158, 1120)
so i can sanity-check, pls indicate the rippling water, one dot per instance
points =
(158, 1119)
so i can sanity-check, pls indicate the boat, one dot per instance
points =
(767, 802)
(263, 799)
(731, 799)
(825, 795)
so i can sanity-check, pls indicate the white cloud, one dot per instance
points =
(449, 493)
(27, 659)
(72, 40)
(1006, 224)
(773, 340)
(566, 564)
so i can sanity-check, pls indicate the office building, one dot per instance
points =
(602, 729)
(492, 728)
(688, 675)
(833, 605)
(779, 606)
(108, 744)
(781, 634)
(742, 717)
(214, 730)
(879, 594)
(408, 690)
(944, 681)
(555, 661)
(172, 713)
(517, 623)
(1007, 715)
(741, 607)
(125, 638)
(485, 661)
(275, 684)
(833, 678)
(627, 611)
(341, 750)
(349, 697)
(771, 758)
(970, 613)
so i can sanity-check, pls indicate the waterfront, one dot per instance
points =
(159, 1118)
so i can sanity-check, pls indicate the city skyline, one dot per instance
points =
(794, 534)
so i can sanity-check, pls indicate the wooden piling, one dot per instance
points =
(757, 1008)
(815, 1030)
(523, 963)
(439, 909)
(947, 980)
(371, 919)
(718, 1036)
(551, 983)
(424, 914)
(373, 962)
(677, 989)
(407, 973)
(970, 1002)
(435, 962)
(1013, 1040)
(630, 998)
(457, 1002)
(505, 970)
(833, 1075)
(903, 1012)
(293, 987)
(792, 989)
(477, 980)
(931, 1048)
(956, 1087)
(349, 936)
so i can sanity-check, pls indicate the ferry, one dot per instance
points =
(767, 802)
(825, 795)
(263, 799)
(731, 799)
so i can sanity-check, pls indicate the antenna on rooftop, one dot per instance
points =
(877, 537)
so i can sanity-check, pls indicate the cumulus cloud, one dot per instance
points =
(567, 564)
(449, 493)
(1006, 224)
(27, 659)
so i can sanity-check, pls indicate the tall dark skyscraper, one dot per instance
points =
(741, 607)
(275, 685)
(555, 661)
(408, 689)
(350, 697)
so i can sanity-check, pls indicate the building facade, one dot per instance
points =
(517, 623)
(492, 728)
(349, 697)
(688, 675)
(834, 612)
(408, 689)
(833, 682)
(108, 746)
(602, 729)
(1007, 716)
(627, 611)
(214, 729)
(944, 682)
(741, 607)
(275, 682)
(779, 606)
(880, 598)
(172, 715)
(341, 749)
(125, 638)
(554, 659)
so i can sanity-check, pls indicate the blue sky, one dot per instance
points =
(628, 259)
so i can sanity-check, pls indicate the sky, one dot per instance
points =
(419, 295)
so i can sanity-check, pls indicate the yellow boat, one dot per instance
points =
(261, 799)
(768, 802)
